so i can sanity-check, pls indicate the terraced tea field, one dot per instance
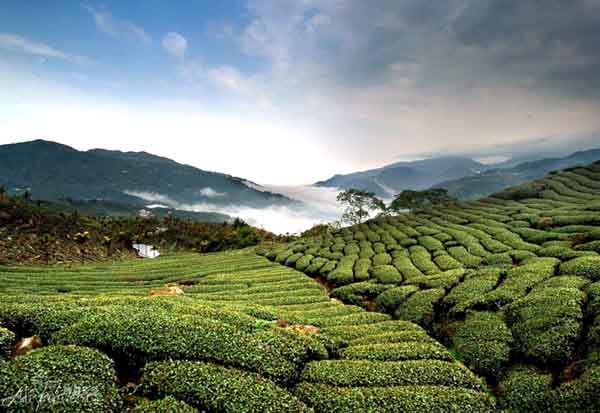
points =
(219, 347)
(509, 284)
(486, 306)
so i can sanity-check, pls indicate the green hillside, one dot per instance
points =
(509, 284)
(485, 306)
(52, 171)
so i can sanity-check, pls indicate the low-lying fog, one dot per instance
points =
(320, 206)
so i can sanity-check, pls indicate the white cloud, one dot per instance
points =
(210, 193)
(21, 44)
(319, 207)
(175, 44)
(108, 24)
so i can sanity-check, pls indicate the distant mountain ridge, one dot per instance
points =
(391, 179)
(53, 171)
(497, 179)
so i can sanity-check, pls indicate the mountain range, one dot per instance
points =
(464, 178)
(53, 171)
(394, 178)
(498, 178)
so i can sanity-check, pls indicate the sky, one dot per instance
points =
(289, 92)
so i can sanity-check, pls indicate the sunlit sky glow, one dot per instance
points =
(293, 91)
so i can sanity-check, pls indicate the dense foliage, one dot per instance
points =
(35, 231)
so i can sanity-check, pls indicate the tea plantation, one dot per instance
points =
(486, 306)
(509, 284)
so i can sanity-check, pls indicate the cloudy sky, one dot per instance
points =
(292, 91)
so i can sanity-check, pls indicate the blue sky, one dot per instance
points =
(290, 92)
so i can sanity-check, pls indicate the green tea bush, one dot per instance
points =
(382, 259)
(445, 262)
(303, 263)
(393, 337)
(408, 350)
(589, 246)
(563, 253)
(461, 254)
(356, 292)
(150, 334)
(390, 299)
(343, 273)
(386, 274)
(422, 260)
(361, 269)
(472, 287)
(41, 317)
(328, 267)
(7, 339)
(351, 332)
(484, 342)
(316, 265)
(417, 399)
(445, 280)
(361, 373)
(60, 379)
(547, 323)
(564, 281)
(431, 243)
(419, 307)
(215, 388)
(166, 405)
(282, 257)
(585, 266)
(406, 268)
(524, 389)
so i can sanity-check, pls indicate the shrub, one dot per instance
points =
(563, 253)
(467, 259)
(382, 259)
(356, 292)
(7, 338)
(393, 337)
(419, 307)
(387, 274)
(446, 262)
(303, 263)
(547, 323)
(472, 287)
(166, 405)
(145, 335)
(359, 373)
(390, 299)
(484, 342)
(328, 267)
(589, 246)
(361, 269)
(431, 243)
(350, 332)
(316, 265)
(422, 260)
(525, 390)
(60, 379)
(216, 388)
(585, 266)
(418, 399)
(445, 280)
(409, 350)
(406, 267)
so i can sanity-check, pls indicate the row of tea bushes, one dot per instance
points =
(218, 389)
(60, 379)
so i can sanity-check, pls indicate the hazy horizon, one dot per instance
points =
(289, 93)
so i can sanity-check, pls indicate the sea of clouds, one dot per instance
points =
(319, 205)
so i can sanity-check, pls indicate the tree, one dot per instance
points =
(359, 205)
(412, 200)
